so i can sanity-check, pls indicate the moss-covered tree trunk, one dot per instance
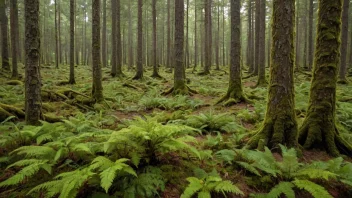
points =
(280, 125)
(4, 37)
(72, 43)
(261, 64)
(344, 43)
(319, 128)
(97, 90)
(235, 90)
(139, 74)
(14, 38)
(113, 38)
(250, 40)
(33, 103)
(104, 39)
(257, 38)
(118, 40)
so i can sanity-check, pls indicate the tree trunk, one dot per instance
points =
(319, 128)
(261, 65)
(235, 90)
(168, 58)
(208, 37)
(139, 74)
(118, 40)
(195, 37)
(249, 43)
(33, 103)
(179, 74)
(72, 42)
(56, 38)
(280, 125)
(217, 39)
(257, 38)
(113, 38)
(4, 36)
(187, 37)
(14, 38)
(130, 40)
(344, 43)
(59, 32)
(155, 61)
(297, 41)
(97, 90)
(310, 35)
(104, 50)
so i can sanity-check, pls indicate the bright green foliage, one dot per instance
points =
(66, 184)
(316, 190)
(207, 184)
(148, 138)
(109, 170)
(175, 103)
(285, 188)
(147, 184)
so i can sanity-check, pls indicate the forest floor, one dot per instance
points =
(221, 131)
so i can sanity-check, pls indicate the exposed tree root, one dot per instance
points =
(345, 99)
(204, 73)
(185, 91)
(232, 98)
(282, 130)
(156, 75)
(13, 111)
(343, 81)
(323, 135)
(51, 119)
(260, 83)
(130, 86)
(14, 82)
(249, 76)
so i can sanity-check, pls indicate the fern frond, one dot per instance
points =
(204, 194)
(249, 167)
(315, 174)
(43, 152)
(314, 189)
(227, 187)
(282, 188)
(194, 186)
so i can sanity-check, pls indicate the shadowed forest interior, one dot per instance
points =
(176, 98)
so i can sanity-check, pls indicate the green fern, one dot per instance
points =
(316, 190)
(109, 170)
(285, 188)
(66, 184)
(207, 184)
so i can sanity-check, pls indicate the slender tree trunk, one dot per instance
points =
(59, 32)
(97, 90)
(72, 42)
(130, 41)
(14, 38)
(235, 90)
(261, 65)
(104, 50)
(250, 40)
(56, 38)
(4, 35)
(118, 40)
(195, 37)
(217, 40)
(155, 61)
(257, 37)
(310, 35)
(305, 40)
(297, 41)
(344, 43)
(113, 38)
(33, 103)
(208, 37)
(280, 125)
(187, 37)
(223, 34)
(319, 129)
(139, 74)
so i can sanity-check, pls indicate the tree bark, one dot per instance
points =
(97, 90)
(297, 40)
(14, 38)
(257, 38)
(310, 35)
(319, 128)
(155, 61)
(168, 58)
(280, 125)
(344, 43)
(104, 50)
(235, 90)
(139, 74)
(261, 65)
(72, 43)
(208, 37)
(249, 43)
(4, 37)
(33, 103)
(56, 38)
(130, 41)
(195, 37)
